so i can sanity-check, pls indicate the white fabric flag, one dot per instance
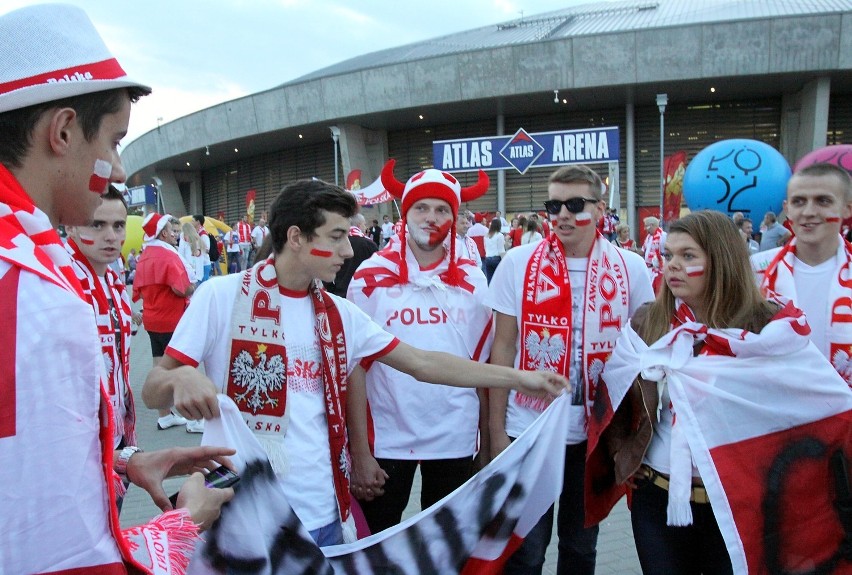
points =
(471, 531)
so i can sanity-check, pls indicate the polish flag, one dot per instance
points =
(694, 271)
(769, 427)
(583, 219)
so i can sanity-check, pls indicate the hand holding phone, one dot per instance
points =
(219, 478)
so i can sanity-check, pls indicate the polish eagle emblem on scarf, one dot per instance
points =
(259, 378)
(108, 362)
(544, 351)
(842, 362)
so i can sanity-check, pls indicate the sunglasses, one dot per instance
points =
(574, 205)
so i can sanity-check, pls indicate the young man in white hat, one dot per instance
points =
(813, 269)
(560, 305)
(64, 106)
(282, 347)
(420, 291)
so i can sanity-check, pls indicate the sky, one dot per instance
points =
(196, 54)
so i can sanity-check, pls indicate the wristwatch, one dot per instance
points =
(123, 459)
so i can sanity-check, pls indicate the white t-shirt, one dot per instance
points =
(505, 295)
(203, 335)
(413, 419)
(258, 234)
(387, 230)
(235, 248)
(658, 456)
(812, 285)
(495, 245)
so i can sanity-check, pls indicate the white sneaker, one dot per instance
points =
(195, 426)
(170, 420)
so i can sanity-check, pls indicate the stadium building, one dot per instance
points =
(778, 71)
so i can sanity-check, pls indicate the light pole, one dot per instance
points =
(662, 100)
(335, 135)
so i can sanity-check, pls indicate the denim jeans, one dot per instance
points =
(331, 534)
(693, 549)
(577, 544)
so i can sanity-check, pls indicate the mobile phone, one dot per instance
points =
(219, 478)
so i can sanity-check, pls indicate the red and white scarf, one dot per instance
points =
(356, 231)
(779, 279)
(382, 270)
(654, 251)
(258, 358)
(117, 367)
(28, 242)
(546, 314)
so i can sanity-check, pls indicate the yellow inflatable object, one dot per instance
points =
(133, 241)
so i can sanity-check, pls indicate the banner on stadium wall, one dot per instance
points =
(141, 195)
(472, 531)
(674, 169)
(524, 150)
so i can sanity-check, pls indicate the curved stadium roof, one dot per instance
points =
(586, 19)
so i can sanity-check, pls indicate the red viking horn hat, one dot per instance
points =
(389, 181)
(470, 193)
(432, 183)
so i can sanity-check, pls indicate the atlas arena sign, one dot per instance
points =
(523, 150)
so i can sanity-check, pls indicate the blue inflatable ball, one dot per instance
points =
(737, 176)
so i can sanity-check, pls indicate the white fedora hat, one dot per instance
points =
(50, 52)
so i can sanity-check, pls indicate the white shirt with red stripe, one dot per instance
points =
(244, 231)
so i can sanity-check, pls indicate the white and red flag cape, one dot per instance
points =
(472, 531)
(768, 422)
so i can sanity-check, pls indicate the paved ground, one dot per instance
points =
(616, 551)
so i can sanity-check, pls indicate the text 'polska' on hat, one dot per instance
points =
(50, 52)
(433, 184)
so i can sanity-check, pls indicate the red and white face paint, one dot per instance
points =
(583, 219)
(694, 271)
(86, 239)
(321, 253)
(438, 232)
(429, 221)
(832, 220)
(99, 179)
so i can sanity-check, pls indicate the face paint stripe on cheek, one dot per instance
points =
(99, 180)
(694, 271)
(583, 219)
(832, 220)
(86, 240)
(321, 253)
(443, 230)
